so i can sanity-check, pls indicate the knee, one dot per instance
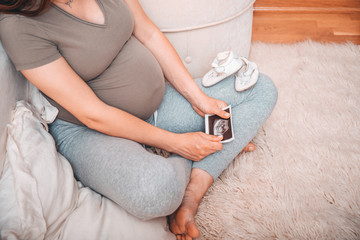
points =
(162, 193)
(267, 90)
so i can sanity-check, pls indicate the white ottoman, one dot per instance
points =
(202, 28)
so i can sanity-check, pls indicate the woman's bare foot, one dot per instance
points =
(182, 222)
(249, 147)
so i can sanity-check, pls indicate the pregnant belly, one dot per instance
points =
(133, 82)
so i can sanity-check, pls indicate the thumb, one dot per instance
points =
(215, 138)
(223, 114)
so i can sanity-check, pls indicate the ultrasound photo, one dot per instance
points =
(215, 125)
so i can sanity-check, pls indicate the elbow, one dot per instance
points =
(90, 123)
(94, 118)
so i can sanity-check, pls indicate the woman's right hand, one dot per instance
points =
(196, 145)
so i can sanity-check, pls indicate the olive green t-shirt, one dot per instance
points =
(119, 69)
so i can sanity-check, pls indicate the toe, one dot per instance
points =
(187, 237)
(249, 147)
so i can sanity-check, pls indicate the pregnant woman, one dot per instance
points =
(102, 64)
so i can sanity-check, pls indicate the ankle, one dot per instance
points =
(200, 181)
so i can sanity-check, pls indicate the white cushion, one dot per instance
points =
(40, 199)
(12, 88)
(200, 29)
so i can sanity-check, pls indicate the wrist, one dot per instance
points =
(171, 142)
(190, 90)
(198, 99)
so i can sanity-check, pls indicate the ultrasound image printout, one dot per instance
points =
(215, 125)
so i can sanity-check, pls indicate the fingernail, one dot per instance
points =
(227, 114)
(251, 148)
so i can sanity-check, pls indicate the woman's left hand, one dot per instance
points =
(209, 105)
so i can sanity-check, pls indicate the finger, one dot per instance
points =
(214, 138)
(223, 114)
(218, 146)
(215, 146)
(223, 104)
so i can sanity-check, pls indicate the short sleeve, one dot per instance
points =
(26, 44)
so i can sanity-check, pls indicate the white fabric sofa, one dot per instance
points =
(39, 198)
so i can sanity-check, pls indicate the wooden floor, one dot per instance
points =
(288, 21)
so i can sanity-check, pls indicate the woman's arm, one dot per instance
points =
(150, 35)
(58, 81)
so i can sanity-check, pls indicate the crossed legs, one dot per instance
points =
(250, 109)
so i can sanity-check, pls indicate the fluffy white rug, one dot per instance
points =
(303, 180)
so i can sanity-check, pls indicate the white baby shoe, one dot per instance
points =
(247, 76)
(224, 65)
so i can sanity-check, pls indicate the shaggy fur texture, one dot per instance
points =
(303, 180)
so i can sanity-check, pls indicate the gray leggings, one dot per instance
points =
(148, 185)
